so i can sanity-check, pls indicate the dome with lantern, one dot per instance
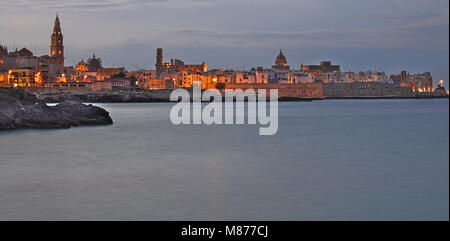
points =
(281, 59)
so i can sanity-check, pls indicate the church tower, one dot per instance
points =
(159, 61)
(57, 47)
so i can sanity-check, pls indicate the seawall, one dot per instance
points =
(373, 90)
(286, 92)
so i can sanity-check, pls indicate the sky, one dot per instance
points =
(382, 35)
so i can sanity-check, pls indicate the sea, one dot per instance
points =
(384, 159)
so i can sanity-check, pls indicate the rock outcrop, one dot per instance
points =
(19, 109)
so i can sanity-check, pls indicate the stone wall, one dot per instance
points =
(366, 90)
(306, 91)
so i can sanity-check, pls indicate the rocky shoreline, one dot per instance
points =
(20, 109)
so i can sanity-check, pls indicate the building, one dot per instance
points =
(420, 82)
(20, 59)
(301, 77)
(51, 67)
(105, 73)
(25, 52)
(250, 77)
(57, 45)
(279, 76)
(142, 77)
(281, 62)
(23, 77)
(176, 65)
(4, 79)
(158, 84)
(82, 66)
(3, 54)
(111, 84)
(324, 67)
(3, 51)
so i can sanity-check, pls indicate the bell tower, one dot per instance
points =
(159, 61)
(57, 46)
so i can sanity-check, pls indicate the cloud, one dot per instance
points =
(423, 2)
(92, 5)
(421, 34)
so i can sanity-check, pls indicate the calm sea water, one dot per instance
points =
(331, 160)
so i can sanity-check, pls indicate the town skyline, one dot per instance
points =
(411, 35)
(22, 68)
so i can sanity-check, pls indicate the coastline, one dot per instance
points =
(164, 96)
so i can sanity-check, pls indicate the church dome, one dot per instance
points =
(82, 66)
(281, 59)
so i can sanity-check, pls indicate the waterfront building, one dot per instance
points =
(420, 82)
(111, 84)
(176, 65)
(160, 84)
(367, 76)
(23, 77)
(4, 79)
(143, 77)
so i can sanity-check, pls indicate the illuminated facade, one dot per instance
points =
(22, 77)
(420, 82)
(176, 65)
(82, 66)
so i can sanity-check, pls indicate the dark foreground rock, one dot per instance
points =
(19, 109)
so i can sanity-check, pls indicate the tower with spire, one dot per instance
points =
(57, 46)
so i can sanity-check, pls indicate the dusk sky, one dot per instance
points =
(382, 35)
